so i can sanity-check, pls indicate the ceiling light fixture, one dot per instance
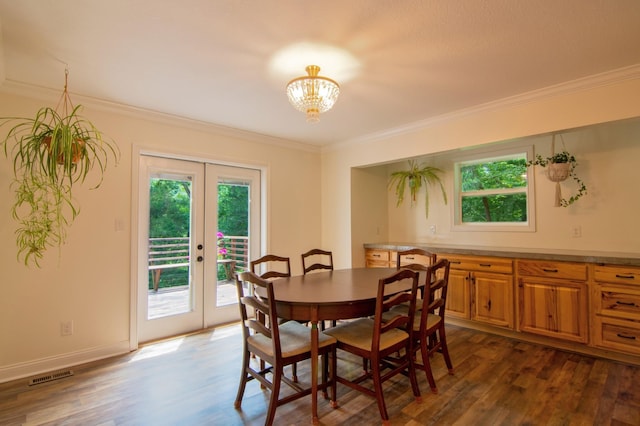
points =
(313, 94)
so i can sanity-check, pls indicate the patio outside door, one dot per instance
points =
(186, 263)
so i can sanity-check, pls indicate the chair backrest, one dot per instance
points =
(257, 293)
(435, 299)
(277, 266)
(416, 260)
(317, 259)
(391, 292)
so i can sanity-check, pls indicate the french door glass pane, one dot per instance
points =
(169, 288)
(232, 237)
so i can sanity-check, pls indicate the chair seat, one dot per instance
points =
(295, 339)
(432, 321)
(359, 334)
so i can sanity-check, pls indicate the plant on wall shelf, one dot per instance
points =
(51, 153)
(415, 178)
(559, 167)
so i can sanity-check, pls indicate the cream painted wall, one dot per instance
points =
(88, 281)
(564, 108)
(607, 155)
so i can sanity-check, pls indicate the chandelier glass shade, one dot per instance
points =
(313, 94)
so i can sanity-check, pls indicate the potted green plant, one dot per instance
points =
(415, 178)
(51, 153)
(559, 167)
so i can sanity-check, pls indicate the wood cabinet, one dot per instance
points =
(616, 308)
(481, 289)
(580, 303)
(553, 299)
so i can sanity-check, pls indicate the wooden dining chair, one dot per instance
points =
(376, 340)
(428, 332)
(271, 266)
(317, 259)
(277, 344)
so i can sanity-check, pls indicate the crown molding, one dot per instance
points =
(49, 95)
(586, 83)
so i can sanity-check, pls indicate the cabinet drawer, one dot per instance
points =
(617, 274)
(550, 269)
(474, 263)
(618, 334)
(618, 301)
(375, 255)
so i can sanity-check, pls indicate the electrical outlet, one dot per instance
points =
(66, 328)
(576, 231)
(432, 229)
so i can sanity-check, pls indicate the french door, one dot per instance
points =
(199, 223)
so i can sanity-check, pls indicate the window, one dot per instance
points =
(493, 192)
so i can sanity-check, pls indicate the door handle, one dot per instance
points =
(199, 258)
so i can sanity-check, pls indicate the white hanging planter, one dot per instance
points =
(558, 172)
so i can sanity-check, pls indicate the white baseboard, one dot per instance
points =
(58, 362)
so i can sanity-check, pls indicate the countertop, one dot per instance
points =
(586, 256)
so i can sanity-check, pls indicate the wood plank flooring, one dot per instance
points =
(192, 380)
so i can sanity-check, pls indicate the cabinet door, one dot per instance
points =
(458, 298)
(493, 299)
(554, 308)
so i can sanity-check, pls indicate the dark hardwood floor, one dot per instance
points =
(192, 380)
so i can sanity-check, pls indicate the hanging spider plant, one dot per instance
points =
(51, 153)
(415, 178)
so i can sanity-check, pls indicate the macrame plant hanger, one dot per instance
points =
(557, 173)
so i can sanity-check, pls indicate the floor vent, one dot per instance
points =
(50, 377)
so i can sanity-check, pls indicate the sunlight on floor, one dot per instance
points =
(158, 349)
(224, 331)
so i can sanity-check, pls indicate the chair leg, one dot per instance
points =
(325, 371)
(294, 372)
(377, 387)
(445, 350)
(424, 351)
(243, 380)
(333, 375)
(275, 393)
(412, 374)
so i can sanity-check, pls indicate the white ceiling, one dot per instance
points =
(209, 60)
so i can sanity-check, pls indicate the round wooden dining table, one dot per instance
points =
(327, 295)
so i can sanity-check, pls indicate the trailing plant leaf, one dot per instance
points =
(415, 178)
(43, 210)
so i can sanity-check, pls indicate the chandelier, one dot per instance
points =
(313, 94)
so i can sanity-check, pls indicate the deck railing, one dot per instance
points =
(173, 254)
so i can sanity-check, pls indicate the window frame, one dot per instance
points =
(488, 156)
